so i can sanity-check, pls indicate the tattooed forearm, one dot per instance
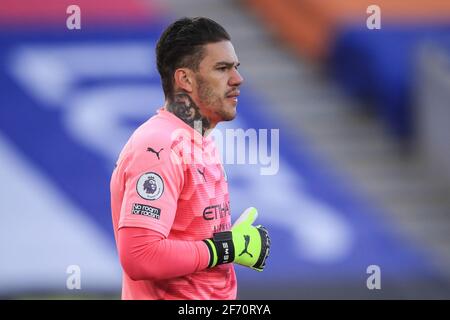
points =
(185, 108)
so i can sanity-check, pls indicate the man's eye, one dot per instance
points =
(222, 68)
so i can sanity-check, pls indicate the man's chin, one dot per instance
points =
(229, 118)
(229, 115)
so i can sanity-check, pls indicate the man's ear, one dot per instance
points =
(184, 79)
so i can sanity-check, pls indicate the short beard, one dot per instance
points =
(212, 102)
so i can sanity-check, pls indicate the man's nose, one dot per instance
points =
(236, 78)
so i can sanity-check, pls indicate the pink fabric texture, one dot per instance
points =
(169, 179)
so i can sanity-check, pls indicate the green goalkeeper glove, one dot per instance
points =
(245, 244)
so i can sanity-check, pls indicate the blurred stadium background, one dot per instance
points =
(363, 114)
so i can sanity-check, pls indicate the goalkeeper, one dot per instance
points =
(169, 194)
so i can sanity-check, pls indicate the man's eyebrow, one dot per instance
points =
(227, 64)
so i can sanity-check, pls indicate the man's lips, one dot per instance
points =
(234, 94)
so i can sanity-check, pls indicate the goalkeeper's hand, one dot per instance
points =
(245, 244)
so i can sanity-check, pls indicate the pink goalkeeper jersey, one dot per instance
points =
(170, 179)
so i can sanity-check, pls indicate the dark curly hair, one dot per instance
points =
(181, 46)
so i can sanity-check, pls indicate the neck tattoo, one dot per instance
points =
(185, 108)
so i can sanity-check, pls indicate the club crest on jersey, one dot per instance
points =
(150, 186)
